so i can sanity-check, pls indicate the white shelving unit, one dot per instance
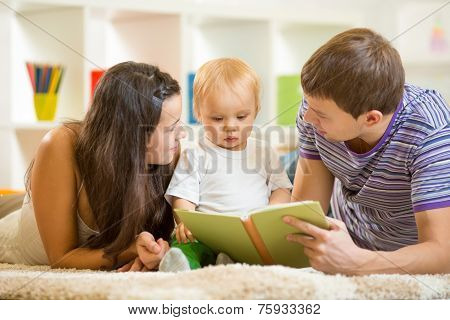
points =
(275, 38)
(179, 37)
(295, 42)
(213, 37)
(38, 36)
(425, 49)
(114, 36)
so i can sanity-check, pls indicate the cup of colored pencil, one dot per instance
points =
(46, 81)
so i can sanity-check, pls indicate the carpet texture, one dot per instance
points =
(235, 281)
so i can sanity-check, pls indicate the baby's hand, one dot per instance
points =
(183, 234)
(150, 251)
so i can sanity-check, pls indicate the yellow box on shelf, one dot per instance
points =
(45, 106)
(45, 80)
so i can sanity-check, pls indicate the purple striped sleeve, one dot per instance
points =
(430, 179)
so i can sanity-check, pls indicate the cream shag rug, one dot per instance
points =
(235, 281)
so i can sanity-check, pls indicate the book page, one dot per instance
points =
(273, 230)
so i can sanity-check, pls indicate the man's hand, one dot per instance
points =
(329, 251)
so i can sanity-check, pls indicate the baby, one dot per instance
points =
(225, 171)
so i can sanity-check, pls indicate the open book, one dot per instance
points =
(259, 237)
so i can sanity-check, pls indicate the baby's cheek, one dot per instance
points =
(247, 129)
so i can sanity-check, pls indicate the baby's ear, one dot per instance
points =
(197, 113)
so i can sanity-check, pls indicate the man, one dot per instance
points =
(385, 148)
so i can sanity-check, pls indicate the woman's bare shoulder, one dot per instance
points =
(60, 140)
(56, 152)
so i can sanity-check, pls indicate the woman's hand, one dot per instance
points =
(183, 234)
(133, 265)
(149, 251)
(329, 251)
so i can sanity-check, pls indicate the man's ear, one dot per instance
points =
(373, 117)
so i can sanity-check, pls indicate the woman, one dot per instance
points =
(95, 188)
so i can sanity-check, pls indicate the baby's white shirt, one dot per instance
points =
(228, 182)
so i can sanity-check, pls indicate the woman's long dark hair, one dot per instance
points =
(126, 194)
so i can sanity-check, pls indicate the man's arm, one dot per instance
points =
(333, 251)
(313, 181)
(430, 255)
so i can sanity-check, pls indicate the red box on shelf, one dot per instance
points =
(95, 77)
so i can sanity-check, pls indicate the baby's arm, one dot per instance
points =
(281, 195)
(179, 203)
(182, 233)
(279, 182)
(183, 191)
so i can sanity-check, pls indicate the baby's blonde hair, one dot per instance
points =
(230, 73)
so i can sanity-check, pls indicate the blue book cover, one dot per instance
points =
(191, 77)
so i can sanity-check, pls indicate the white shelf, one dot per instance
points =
(179, 35)
(438, 63)
(42, 36)
(295, 42)
(39, 126)
(424, 44)
(213, 37)
(115, 36)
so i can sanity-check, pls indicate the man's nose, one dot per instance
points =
(309, 118)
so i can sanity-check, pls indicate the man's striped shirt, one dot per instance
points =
(377, 193)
